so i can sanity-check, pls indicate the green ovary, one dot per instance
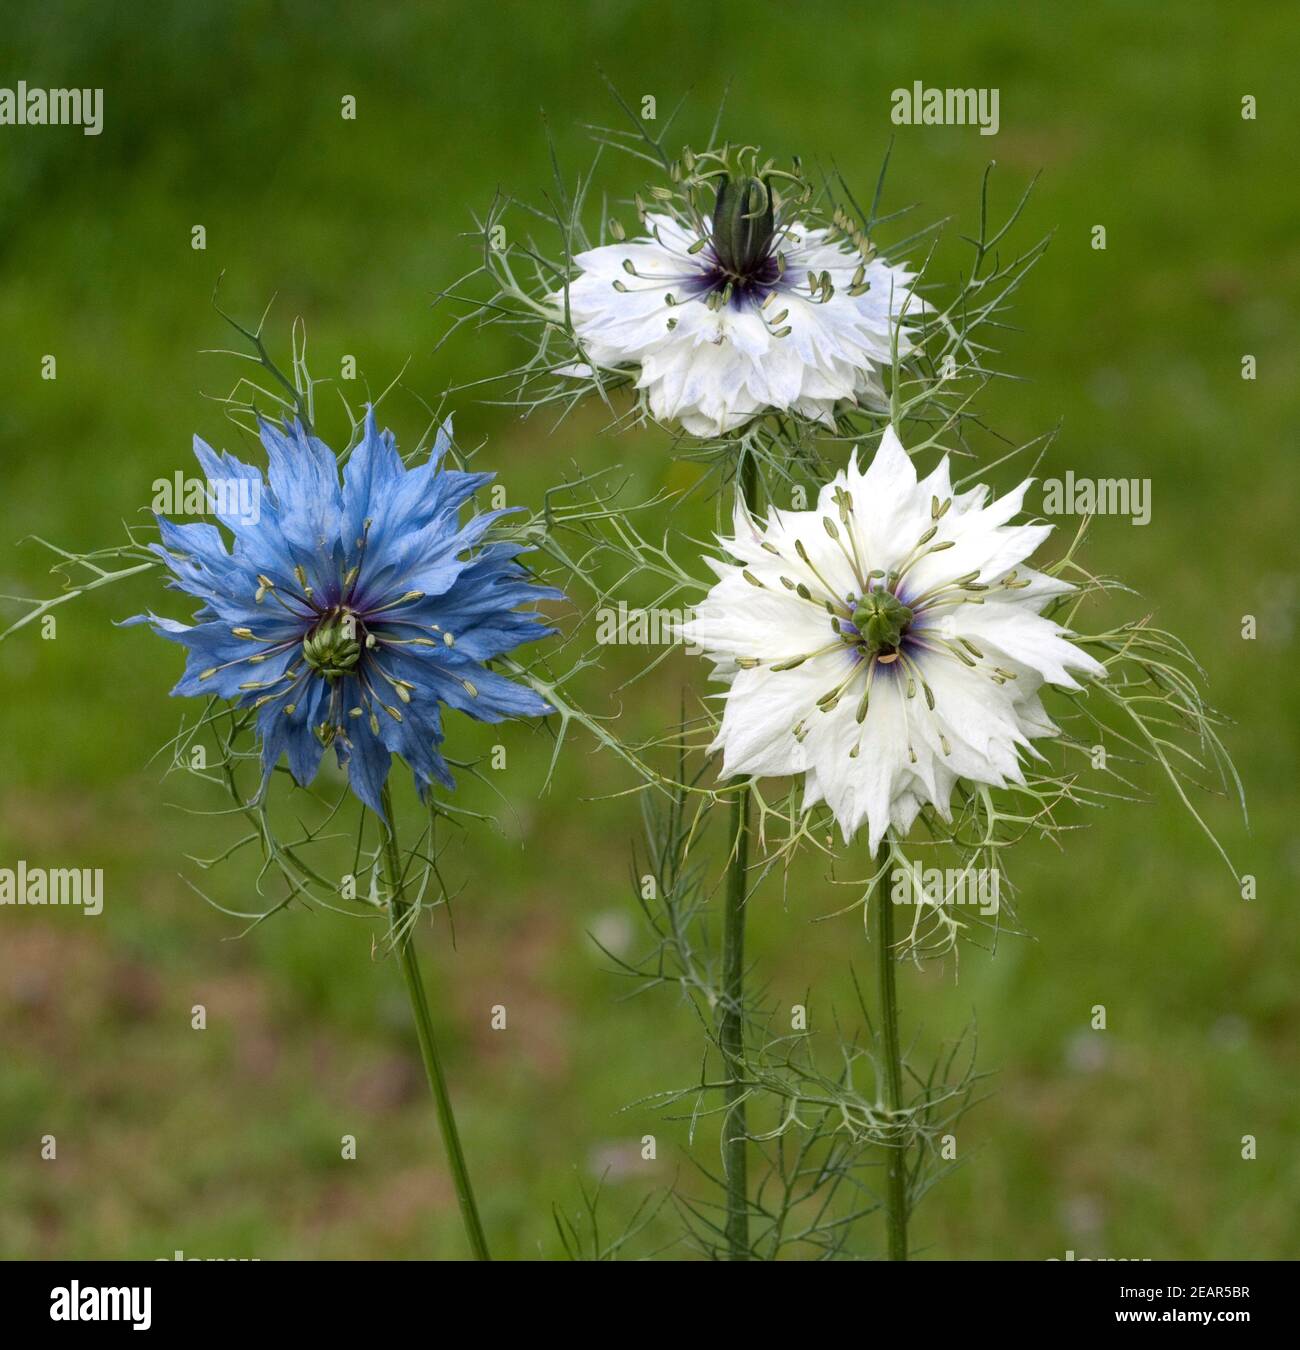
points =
(881, 619)
(332, 648)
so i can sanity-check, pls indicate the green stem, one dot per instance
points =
(732, 1035)
(428, 1044)
(735, 1145)
(896, 1177)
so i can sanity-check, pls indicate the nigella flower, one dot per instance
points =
(347, 615)
(886, 644)
(738, 314)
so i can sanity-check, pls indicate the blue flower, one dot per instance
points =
(348, 614)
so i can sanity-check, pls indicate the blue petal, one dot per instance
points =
(368, 761)
(293, 733)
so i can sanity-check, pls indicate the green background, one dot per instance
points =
(225, 1143)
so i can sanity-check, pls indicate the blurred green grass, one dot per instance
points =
(226, 1142)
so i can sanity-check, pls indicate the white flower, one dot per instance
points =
(740, 315)
(886, 644)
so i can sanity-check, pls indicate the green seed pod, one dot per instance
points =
(332, 648)
(882, 619)
(743, 224)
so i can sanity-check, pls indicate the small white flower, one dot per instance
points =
(741, 314)
(885, 645)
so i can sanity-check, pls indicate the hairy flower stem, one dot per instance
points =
(896, 1176)
(732, 1030)
(424, 1031)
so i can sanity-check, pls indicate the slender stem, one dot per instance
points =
(732, 1030)
(732, 1036)
(428, 1044)
(896, 1179)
